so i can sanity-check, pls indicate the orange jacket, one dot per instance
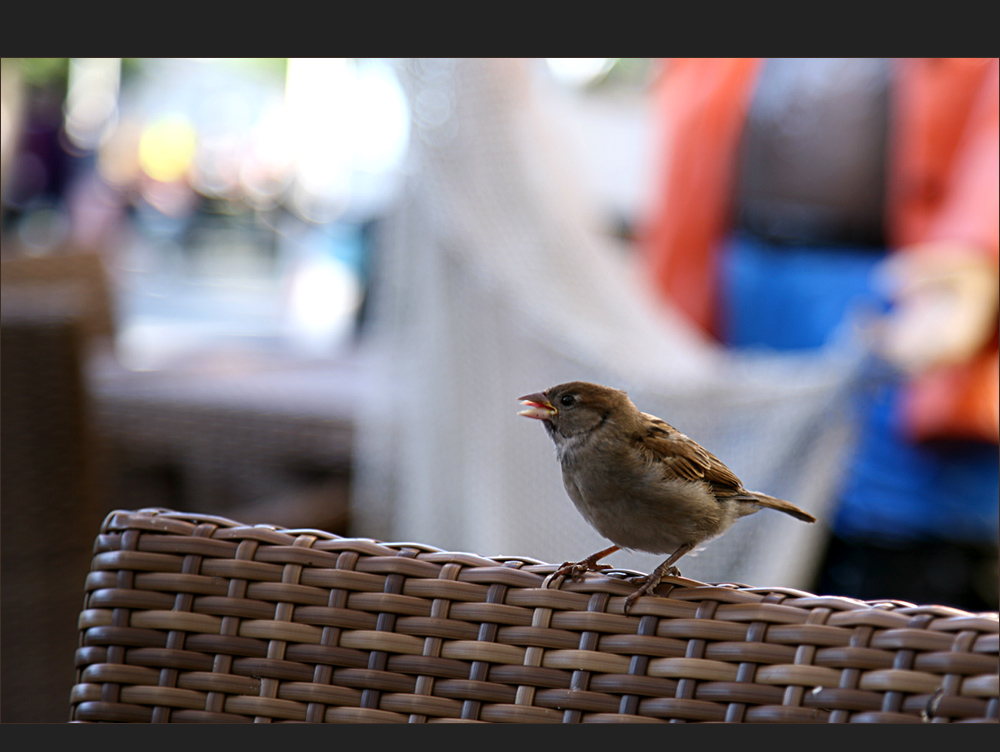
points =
(943, 183)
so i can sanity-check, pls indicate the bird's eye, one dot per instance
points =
(566, 400)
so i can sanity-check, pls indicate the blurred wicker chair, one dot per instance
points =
(192, 618)
(53, 312)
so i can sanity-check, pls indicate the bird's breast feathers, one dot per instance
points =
(674, 510)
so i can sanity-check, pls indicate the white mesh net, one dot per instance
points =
(492, 283)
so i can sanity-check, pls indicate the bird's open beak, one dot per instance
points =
(536, 406)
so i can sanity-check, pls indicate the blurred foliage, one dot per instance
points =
(267, 66)
(42, 72)
(626, 73)
(52, 72)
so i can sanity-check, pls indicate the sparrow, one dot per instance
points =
(639, 481)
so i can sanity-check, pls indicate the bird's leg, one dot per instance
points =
(576, 569)
(653, 578)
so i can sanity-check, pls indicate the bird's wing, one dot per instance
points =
(683, 457)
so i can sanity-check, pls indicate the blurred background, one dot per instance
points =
(307, 292)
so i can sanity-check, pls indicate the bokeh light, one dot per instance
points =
(241, 183)
(347, 120)
(91, 100)
(579, 71)
(167, 148)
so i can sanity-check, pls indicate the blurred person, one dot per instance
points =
(39, 167)
(798, 194)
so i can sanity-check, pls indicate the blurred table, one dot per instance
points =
(227, 432)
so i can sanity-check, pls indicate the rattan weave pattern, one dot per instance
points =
(194, 618)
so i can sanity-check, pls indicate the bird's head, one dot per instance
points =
(575, 407)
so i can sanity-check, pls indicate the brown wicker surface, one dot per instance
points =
(192, 618)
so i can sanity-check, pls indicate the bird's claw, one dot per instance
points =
(643, 579)
(575, 570)
(647, 584)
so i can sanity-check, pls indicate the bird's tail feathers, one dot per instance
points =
(781, 505)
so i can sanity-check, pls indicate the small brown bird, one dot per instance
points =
(638, 481)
